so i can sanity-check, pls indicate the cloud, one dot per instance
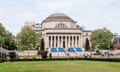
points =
(54, 5)
(27, 15)
(89, 13)
(1, 11)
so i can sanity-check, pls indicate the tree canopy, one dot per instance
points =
(7, 39)
(87, 45)
(28, 38)
(101, 38)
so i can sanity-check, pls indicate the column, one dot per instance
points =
(72, 41)
(61, 41)
(81, 39)
(66, 42)
(55, 41)
(51, 41)
(75, 41)
(78, 43)
(58, 42)
(48, 41)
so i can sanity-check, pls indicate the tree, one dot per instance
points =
(101, 38)
(42, 51)
(28, 38)
(42, 45)
(9, 42)
(7, 39)
(87, 45)
(2, 33)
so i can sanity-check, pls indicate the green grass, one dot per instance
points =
(60, 66)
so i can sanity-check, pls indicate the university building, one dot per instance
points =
(60, 31)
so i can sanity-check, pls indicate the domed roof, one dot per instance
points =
(58, 17)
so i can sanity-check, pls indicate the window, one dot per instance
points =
(37, 25)
(61, 26)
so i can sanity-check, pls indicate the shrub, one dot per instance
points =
(12, 55)
(50, 56)
(39, 52)
(33, 57)
(25, 57)
(43, 54)
(3, 57)
(17, 57)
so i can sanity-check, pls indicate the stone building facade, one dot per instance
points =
(60, 31)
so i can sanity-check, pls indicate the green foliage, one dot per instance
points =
(43, 54)
(12, 55)
(6, 39)
(28, 38)
(33, 57)
(87, 45)
(101, 38)
(25, 57)
(3, 56)
(42, 45)
(50, 56)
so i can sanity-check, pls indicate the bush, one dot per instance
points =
(17, 57)
(33, 57)
(50, 56)
(43, 54)
(25, 57)
(39, 52)
(12, 55)
(3, 57)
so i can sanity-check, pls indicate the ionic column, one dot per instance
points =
(48, 41)
(75, 41)
(81, 41)
(66, 43)
(78, 41)
(61, 41)
(72, 41)
(55, 41)
(58, 42)
(51, 41)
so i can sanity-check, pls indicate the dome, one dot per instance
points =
(58, 17)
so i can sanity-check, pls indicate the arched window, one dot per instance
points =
(60, 26)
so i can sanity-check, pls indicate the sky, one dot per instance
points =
(90, 14)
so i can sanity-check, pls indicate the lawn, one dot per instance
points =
(60, 66)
